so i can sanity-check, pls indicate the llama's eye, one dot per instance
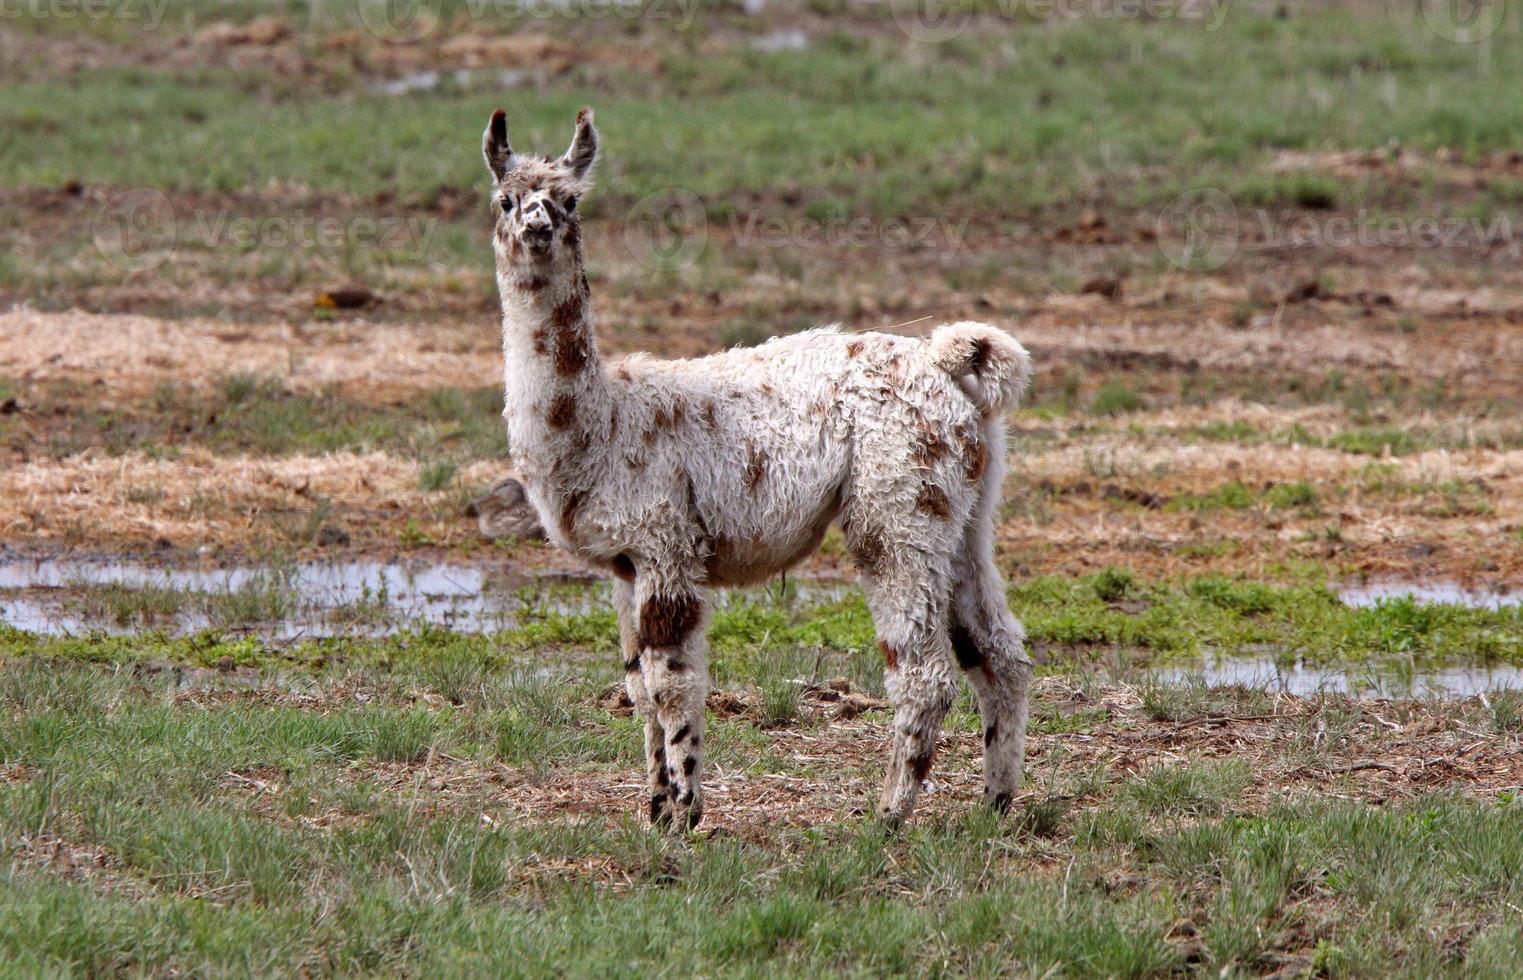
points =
(507, 206)
(571, 204)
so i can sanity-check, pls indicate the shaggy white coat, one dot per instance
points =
(728, 469)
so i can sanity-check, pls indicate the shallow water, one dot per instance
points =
(362, 597)
(1443, 593)
(369, 598)
(1302, 679)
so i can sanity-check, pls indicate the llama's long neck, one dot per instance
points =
(556, 402)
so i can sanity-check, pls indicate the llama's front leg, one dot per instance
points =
(674, 666)
(657, 782)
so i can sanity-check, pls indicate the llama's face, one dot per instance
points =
(535, 201)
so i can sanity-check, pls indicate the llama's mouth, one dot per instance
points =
(538, 242)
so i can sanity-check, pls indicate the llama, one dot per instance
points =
(677, 476)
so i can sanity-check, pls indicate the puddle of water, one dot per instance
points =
(1303, 679)
(1441, 593)
(359, 598)
(341, 598)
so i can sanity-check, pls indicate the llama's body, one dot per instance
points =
(725, 470)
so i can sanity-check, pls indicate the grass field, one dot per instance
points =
(1266, 258)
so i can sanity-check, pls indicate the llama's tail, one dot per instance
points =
(992, 367)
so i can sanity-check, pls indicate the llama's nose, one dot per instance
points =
(536, 218)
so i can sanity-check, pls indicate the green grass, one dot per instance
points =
(1002, 122)
(236, 835)
(777, 642)
(245, 414)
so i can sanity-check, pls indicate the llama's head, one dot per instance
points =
(535, 199)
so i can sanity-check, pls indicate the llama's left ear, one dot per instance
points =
(584, 146)
(495, 148)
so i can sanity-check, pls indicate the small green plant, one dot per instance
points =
(436, 475)
(1114, 584)
(1115, 398)
(1291, 495)
(1507, 710)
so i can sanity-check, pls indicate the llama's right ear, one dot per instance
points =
(494, 146)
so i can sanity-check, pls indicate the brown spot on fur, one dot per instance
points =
(967, 653)
(975, 460)
(991, 733)
(854, 348)
(868, 551)
(569, 312)
(574, 240)
(890, 655)
(533, 284)
(933, 500)
(710, 419)
(682, 733)
(635, 462)
(632, 664)
(689, 765)
(562, 411)
(979, 355)
(571, 353)
(766, 389)
(613, 422)
(623, 374)
(920, 764)
(542, 339)
(666, 621)
(570, 510)
(969, 656)
(756, 467)
(930, 447)
(650, 437)
(571, 349)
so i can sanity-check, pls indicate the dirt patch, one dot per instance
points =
(1375, 751)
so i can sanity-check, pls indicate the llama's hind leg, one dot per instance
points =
(674, 666)
(657, 782)
(908, 600)
(989, 645)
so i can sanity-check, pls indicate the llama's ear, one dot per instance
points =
(584, 146)
(494, 146)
